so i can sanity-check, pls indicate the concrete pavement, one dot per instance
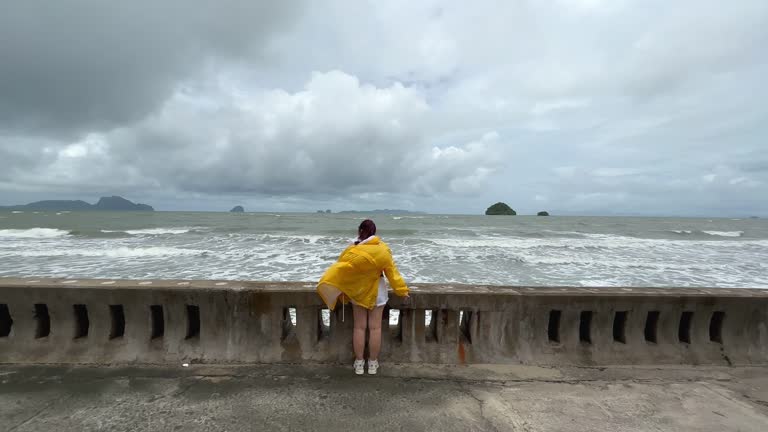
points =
(407, 397)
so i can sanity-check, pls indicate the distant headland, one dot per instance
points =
(237, 209)
(113, 203)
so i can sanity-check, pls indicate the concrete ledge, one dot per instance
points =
(173, 321)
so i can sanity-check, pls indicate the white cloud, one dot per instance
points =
(541, 108)
(565, 171)
(616, 172)
(335, 136)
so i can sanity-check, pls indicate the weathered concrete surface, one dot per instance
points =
(52, 321)
(411, 398)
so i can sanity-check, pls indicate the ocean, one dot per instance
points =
(520, 250)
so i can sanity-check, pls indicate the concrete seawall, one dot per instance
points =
(169, 322)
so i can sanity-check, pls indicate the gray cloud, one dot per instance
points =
(582, 106)
(84, 65)
(334, 136)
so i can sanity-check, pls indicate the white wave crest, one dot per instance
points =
(151, 231)
(121, 252)
(290, 238)
(725, 233)
(33, 233)
(602, 241)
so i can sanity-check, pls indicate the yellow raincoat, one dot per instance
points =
(357, 272)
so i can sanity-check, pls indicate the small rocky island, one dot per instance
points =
(542, 213)
(113, 203)
(237, 209)
(500, 209)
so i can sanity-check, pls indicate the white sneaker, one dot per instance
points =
(373, 367)
(359, 367)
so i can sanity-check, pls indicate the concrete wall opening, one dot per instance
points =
(394, 317)
(431, 322)
(193, 322)
(620, 327)
(716, 326)
(324, 324)
(684, 331)
(288, 322)
(117, 319)
(292, 315)
(651, 326)
(395, 329)
(42, 321)
(6, 323)
(325, 316)
(465, 323)
(81, 321)
(553, 327)
(585, 327)
(157, 321)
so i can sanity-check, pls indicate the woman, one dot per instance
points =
(357, 276)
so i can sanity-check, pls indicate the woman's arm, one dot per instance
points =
(395, 279)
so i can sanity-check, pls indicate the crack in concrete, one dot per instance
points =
(481, 405)
(32, 417)
(755, 400)
(176, 393)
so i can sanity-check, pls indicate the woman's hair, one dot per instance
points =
(366, 229)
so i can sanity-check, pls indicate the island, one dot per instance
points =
(326, 212)
(500, 209)
(237, 209)
(542, 213)
(113, 203)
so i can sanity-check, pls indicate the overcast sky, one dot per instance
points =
(644, 107)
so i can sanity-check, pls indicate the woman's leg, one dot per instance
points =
(374, 332)
(358, 334)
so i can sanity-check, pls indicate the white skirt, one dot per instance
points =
(383, 295)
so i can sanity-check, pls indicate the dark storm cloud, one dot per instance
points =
(83, 65)
(17, 154)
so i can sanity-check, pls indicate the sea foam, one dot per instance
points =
(152, 231)
(120, 252)
(33, 233)
(725, 233)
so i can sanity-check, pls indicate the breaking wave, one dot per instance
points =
(152, 231)
(120, 252)
(32, 233)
